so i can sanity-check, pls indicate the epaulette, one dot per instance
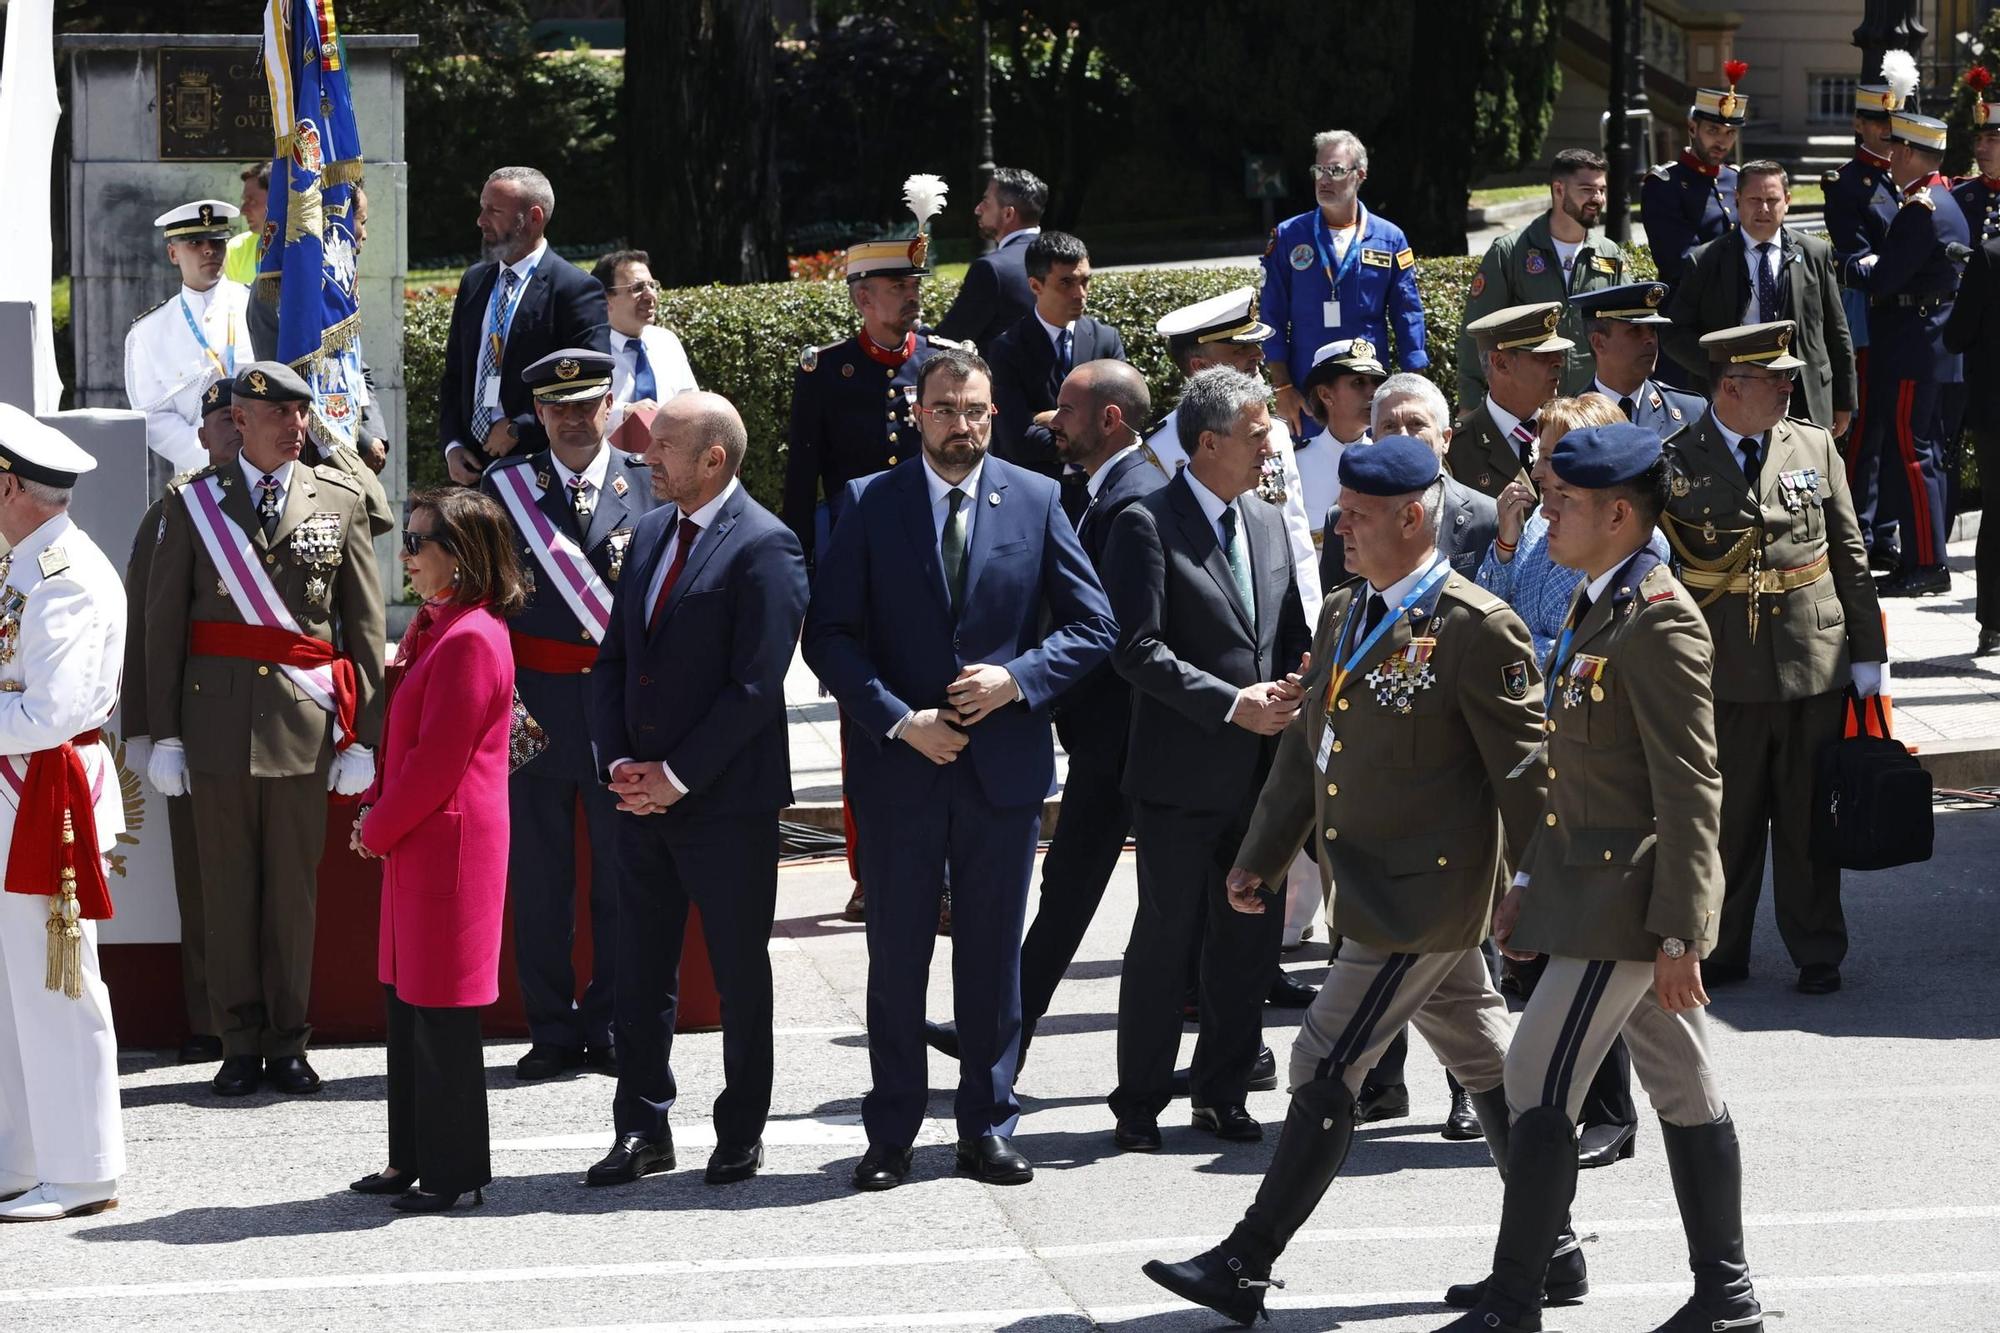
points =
(809, 356)
(511, 460)
(1662, 172)
(181, 479)
(52, 561)
(148, 310)
(963, 344)
(1829, 178)
(634, 460)
(346, 480)
(1920, 197)
(1463, 589)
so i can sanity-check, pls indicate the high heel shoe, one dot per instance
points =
(379, 1182)
(420, 1202)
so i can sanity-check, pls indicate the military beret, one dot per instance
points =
(1393, 465)
(1768, 345)
(215, 398)
(1594, 457)
(571, 375)
(1632, 303)
(271, 382)
(1530, 327)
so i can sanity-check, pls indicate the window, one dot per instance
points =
(1830, 98)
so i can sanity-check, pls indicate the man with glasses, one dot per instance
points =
(1553, 258)
(1763, 524)
(648, 363)
(574, 506)
(190, 340)
(1334, 274)
(954, 603)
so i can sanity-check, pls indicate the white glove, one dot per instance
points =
(167, 769)
(138, 749)
(352, 772)
(1870, 678)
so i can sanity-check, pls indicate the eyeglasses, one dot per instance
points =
(1333, 173)
(977, 415)
(649, 288)
(413, 542)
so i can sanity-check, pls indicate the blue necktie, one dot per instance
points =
(644, 387)
(1065, 345)
(498, 309)
(1767, 286)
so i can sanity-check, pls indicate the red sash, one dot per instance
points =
(557, 657)
(57, 787)
(267, 643)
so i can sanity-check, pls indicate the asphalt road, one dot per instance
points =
(1871, 1188)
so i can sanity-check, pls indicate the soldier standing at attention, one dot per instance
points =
(262, 566)
(1762, 523)
(1520, 356)
(1692, 200)
(193, 338)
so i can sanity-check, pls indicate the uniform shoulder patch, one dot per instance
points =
(809, 359)
(634, 461)
(1663, 595)
(1405, 257)
(53, 560)
(1921, 197)
(1830, 178)
(1478, 285)
(1514, 679)
(1662, 172)
(328, 472)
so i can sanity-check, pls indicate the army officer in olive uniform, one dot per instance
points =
(1521, 361)
(264, 644)
(1409, 766)
(1763, 525)
(1619, 890)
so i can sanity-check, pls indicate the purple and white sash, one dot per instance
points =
(561, 559)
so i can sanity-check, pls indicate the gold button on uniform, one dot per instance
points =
(1441, 860)
(263, 671)
(1607, 854)
(1331, 834)
(1551, 817)
(1338, 746)
(270, 559)
(1333, 789)
(1342, 705)
(1552, 775)
(1549, 724)
(892, 460)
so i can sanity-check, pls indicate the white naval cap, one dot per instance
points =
(36, 452)
(203, 217)
(1230, 317)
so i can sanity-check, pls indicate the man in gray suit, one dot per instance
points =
(1202, 584)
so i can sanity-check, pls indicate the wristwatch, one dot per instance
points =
(1673, 948)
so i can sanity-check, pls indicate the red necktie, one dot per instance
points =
(688, 530)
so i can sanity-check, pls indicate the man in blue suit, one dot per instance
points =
(995, 292)
(953, 604)
(1625, 326)
(1031, 358)
(688, 724)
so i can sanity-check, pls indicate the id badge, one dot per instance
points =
(492, 392)
(1329, 315)
(1325, 748)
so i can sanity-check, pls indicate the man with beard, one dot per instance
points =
(1553, 258)
(995, 292)
(514, 307)
(1691, 201)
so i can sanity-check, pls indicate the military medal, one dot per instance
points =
(1398, 680)
(1584, 672)
(12, 603)
(619, 541)
(315, 589)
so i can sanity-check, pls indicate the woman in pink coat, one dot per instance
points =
(438, 815)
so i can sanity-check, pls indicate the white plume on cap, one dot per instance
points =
(1899, 71)
(925, 196)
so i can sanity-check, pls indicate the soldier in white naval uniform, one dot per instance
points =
(62, 637)
(191, 339)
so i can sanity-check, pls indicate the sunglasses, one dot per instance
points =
(413, 542)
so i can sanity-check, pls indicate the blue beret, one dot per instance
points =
(1392, 465)
(1595, 457)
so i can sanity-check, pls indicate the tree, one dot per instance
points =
(700, 140)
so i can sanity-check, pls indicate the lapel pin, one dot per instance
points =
(993, 499)
(618, 485)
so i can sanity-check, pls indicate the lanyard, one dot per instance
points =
(500, 314)
(1343, 670)
(194, 326)
(1323, 240)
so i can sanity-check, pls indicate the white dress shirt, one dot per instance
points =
(672, 372)
(1055, 333)
(940, 492)
(1753, 265)
(593, 472)
(524, 268)
(254, 474)
(1095, 481)
(166, 369)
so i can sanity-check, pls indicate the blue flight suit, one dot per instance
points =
(1910, 290)
(1376, 285)
(1861, 200)
(542, 795)
(1682, 206)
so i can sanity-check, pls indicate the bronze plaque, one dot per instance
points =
(214, 105)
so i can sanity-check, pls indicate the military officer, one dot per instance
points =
(1339, 389)
(1335, 274)
(1692, 200)
(573, 505)
(1624, 326)
(262, 566)
(1634, 791)
(62, 630)
(1764, 530)
(1978, 195)
(1551, 259)
(1410, 765)
(1911, 281)
(1521, 358)
(222, 440)
(193, 338)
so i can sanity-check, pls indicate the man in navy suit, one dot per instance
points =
(953, 604)
(1625, 327)
(995, 292)
(688, 725)
(1031, 358)
(573, 506)
(515, 306)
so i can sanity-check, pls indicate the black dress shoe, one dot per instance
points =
(942, 1038)
(239, 1076)
(993, 1161)
(857, 906)
(633, 1156)
(1137, 1136)
(546, 1060)
(727, 1165)
(1224, 1284)
(1601, 1145)
(1921, 582)
(1989, 643)
(291, 1074)
(1462, 1124)
(416, 1201)
(1387, 1101)
(376, 1182)
(1229, 1122)
(1723, 974)
(603, 1059)
(882, 1168)
(1819, 978)
(200, 1049)
(1289, 993)
(1884, 562)
(1263, 1075)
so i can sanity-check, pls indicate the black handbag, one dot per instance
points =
(1871, 798)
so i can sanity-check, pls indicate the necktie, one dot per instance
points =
(1524, 440)
(1752, 449)
(582, 499)
(1372, 616)
(1065, 350)
(687, 532)
(1583, 605)
(1237, 551)
(952, 548)
(1629, 408)
(491, 350)
(267, 503)
(1767, 286)
(644, 387)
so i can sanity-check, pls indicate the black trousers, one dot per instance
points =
(541, 890)
(437, 1097)
(1986, 553)
(1090, 835)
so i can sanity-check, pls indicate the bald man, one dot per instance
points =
(712, 600)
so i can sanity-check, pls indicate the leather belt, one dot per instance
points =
(556, 657)
(1923, 304)
(1763, 581)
